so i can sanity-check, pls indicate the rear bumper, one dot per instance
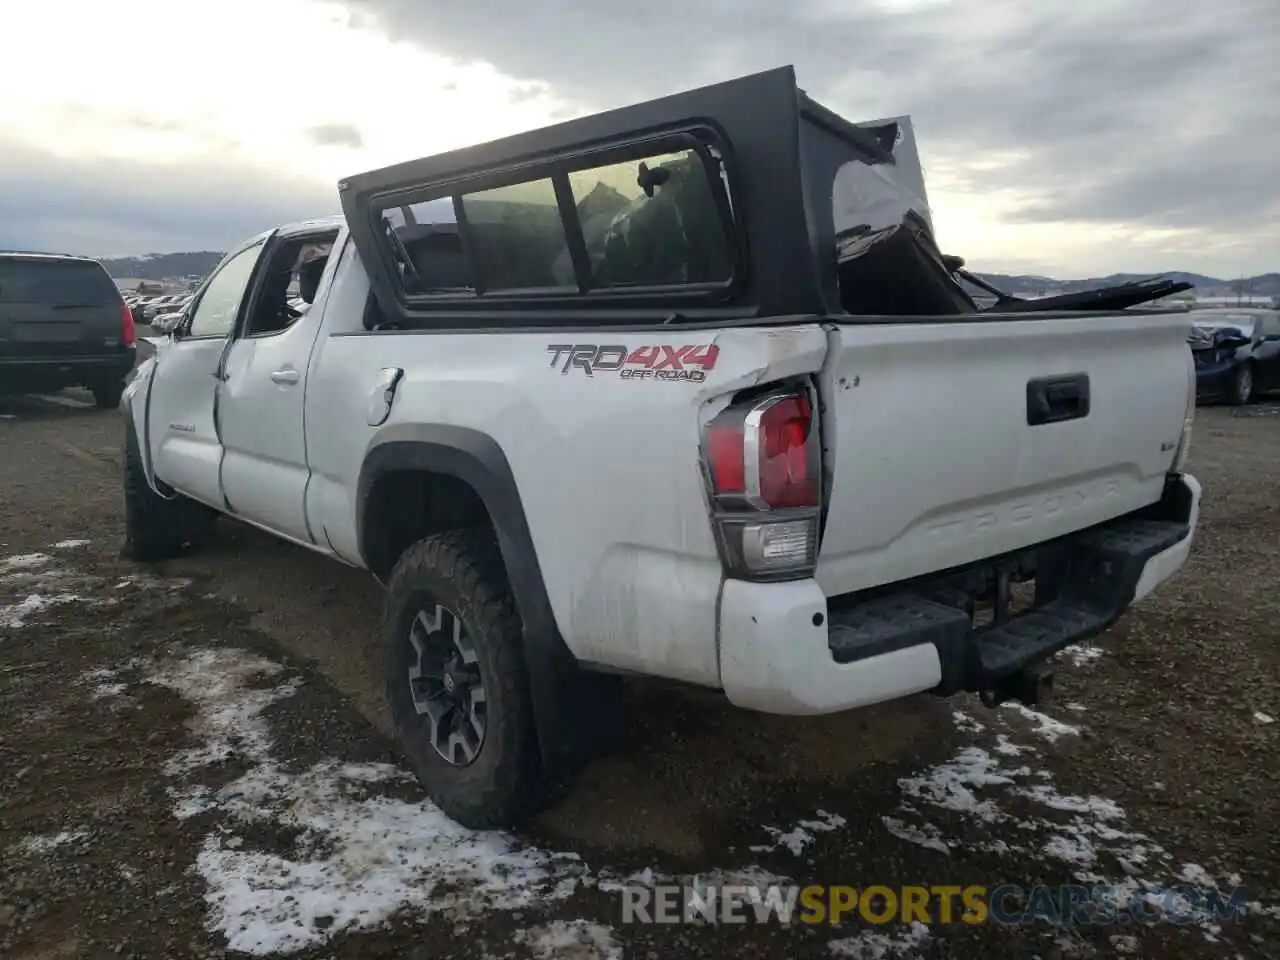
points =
(785, 649)
(25, 374)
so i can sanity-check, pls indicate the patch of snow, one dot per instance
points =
(1080, 654)
(1010, 749)
(1087, 833)
(925, 835)
(1073, 845)
(1263, 717)
(360, 857)
(1045, 725)
(50, 842)
(570, 940)
(1099, 807)
(802, 834)
(1124, 944)
(1195, 874)
(14, 616)
(70, 544)
(875, 945)
(966, 723)
(24, 561)
(229, 720)
(106, 681)
(1076, 707)
(47, 581)
(147, 581)
(750, 876)
(953, 785)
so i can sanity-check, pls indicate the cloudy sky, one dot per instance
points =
(1068, 137)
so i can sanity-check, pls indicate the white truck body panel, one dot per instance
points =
(932, 462)
(631, 588)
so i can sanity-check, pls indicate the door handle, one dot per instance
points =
(1055, 399)
(285, 377)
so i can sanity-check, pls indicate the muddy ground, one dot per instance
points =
(195, 761)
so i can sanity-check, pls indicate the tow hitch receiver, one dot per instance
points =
(1029, 686)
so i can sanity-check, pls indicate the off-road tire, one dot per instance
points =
(1242, 385)
(155, 528)
(106, 393)
(462, 571)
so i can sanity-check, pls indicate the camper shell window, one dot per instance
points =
(624, 220)
(741, 174)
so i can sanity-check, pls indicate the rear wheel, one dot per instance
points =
(106, 394)
(457, 683)
(1242, 385)
(157, 528)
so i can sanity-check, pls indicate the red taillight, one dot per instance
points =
(764, 453)
(128, 332)
(725, 459)
(785, 464)
(763, 461)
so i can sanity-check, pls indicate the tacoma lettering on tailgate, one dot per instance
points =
(659, 362)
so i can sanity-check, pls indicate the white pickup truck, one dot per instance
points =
(683, 389)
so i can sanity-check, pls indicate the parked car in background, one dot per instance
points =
(138, 305)
(163, 323)
(155, 307)
(1237, 353)
(62, 323)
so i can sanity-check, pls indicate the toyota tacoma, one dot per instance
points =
(684, 389)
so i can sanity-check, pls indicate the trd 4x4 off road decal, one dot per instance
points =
(661, 362)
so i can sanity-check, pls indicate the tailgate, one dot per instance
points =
(52, 307)
(28, 331)
(953, 442)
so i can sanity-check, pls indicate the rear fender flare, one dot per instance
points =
(476, 459)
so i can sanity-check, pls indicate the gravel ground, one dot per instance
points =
(196, 760)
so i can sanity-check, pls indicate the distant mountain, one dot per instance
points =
(1263, 285)
(163, 266)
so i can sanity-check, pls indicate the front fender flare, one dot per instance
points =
(135, 407)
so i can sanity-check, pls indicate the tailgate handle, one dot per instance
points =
(1055, 399)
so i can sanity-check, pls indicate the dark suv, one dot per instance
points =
(63, 323)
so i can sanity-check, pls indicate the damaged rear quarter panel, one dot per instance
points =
(606, 464)
(641, 582)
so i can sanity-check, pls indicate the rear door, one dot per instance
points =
(950, 442)
(56, 308)
(260, 407)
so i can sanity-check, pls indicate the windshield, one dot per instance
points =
(56, 283)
